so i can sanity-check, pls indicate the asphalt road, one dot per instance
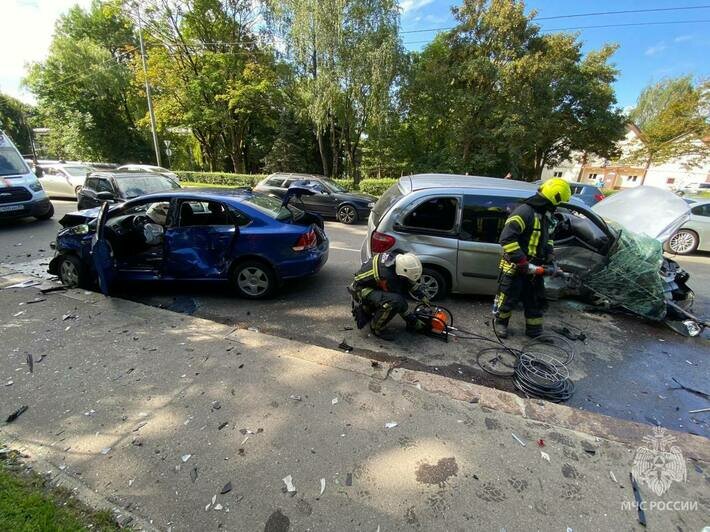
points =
(623, 369)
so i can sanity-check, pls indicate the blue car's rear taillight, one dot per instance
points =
(305, 241)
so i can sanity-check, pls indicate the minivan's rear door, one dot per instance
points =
(479, 253)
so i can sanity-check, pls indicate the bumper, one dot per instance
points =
(310, 264)
(24, 209)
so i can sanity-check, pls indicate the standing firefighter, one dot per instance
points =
(527, 248)
(380, 289)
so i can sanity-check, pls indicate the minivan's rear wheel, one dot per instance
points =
(254, 280)
(683, 242)
(347, 214)
(433, 284)
(72, 272)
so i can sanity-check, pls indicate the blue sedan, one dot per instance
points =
(248, 239)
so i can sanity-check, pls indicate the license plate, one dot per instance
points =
(7, 208)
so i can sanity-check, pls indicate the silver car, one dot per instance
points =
(452, 223)
(694, 235)
(64, 180)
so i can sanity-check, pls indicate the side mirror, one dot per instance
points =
(104, 196)
(38, 171)
(325, 191)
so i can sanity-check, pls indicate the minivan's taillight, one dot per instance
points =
(598, 197)
(305, 241)
(380, 242)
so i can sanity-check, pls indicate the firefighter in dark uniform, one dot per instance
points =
(380, 288)
(527, 248)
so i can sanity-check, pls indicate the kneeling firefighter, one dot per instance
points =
(527, 257)
(380, 288)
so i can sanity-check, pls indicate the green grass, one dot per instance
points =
(203, 185)
(27, 504)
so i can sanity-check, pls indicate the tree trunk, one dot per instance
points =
(581, 168)
(645, 169)
(321, 149)
(334, 148)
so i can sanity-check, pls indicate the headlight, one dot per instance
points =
(371, 205)
(35, 186)
(81, 229)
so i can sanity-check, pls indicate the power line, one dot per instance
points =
(627, 24)
(591, 14)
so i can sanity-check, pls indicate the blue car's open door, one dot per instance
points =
(102, 254)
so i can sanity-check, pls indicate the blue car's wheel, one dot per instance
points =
(72, 273)
(254, 280)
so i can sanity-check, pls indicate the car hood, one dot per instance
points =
(79, 217)
(356, 196)
(650, 211)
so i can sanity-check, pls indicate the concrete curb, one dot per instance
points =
(626, 432)
(58, 478)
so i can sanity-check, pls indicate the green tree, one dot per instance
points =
(84, 87)
(346, 53)
(211, 75)
(14, 118)
(673, 118)
(494, 95)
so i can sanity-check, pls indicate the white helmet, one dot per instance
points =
(408, 265)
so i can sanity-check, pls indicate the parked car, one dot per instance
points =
(589, 194)
(64, 180)
(694, 234)
(331, 200)
(694, 188)
(148, 168)
(250, 240)
(21, 193)
(453, 224)
(116, 187)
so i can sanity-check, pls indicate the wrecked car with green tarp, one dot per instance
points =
(613, 255)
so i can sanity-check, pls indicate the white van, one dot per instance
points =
(21, 193)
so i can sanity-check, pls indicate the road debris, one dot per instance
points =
(349, 479)
(391, 424)
(288, 480)
(185, 457)
(17, 314)
(130, 482)
(699, 410)
(639, 500)
(334, 401)
(222, 425)
(36, 300)
(545, 456)
(106, 450)
(25, 284)
(322, 486)
(216, 405)
(17, 413)
(140, 426)
(521, 442)
(30, 363)
(540, 442)
(217, 507)
(9, 383)
(613, 477)
(227, 488)
(294, 397)
(193, 474)
(69, 317)
(53, 289)
(345, 347)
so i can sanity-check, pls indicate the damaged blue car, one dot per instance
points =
(250, 240)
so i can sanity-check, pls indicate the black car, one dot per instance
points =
(117, 187)
(330, 201)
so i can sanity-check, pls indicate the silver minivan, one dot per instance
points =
(452, 223)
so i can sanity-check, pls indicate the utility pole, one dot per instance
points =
(147, 87)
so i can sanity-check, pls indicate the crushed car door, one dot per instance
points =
(102, 253)
(199, 243)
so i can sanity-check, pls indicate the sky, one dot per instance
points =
(646, 54)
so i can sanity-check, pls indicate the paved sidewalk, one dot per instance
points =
(158, 413)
